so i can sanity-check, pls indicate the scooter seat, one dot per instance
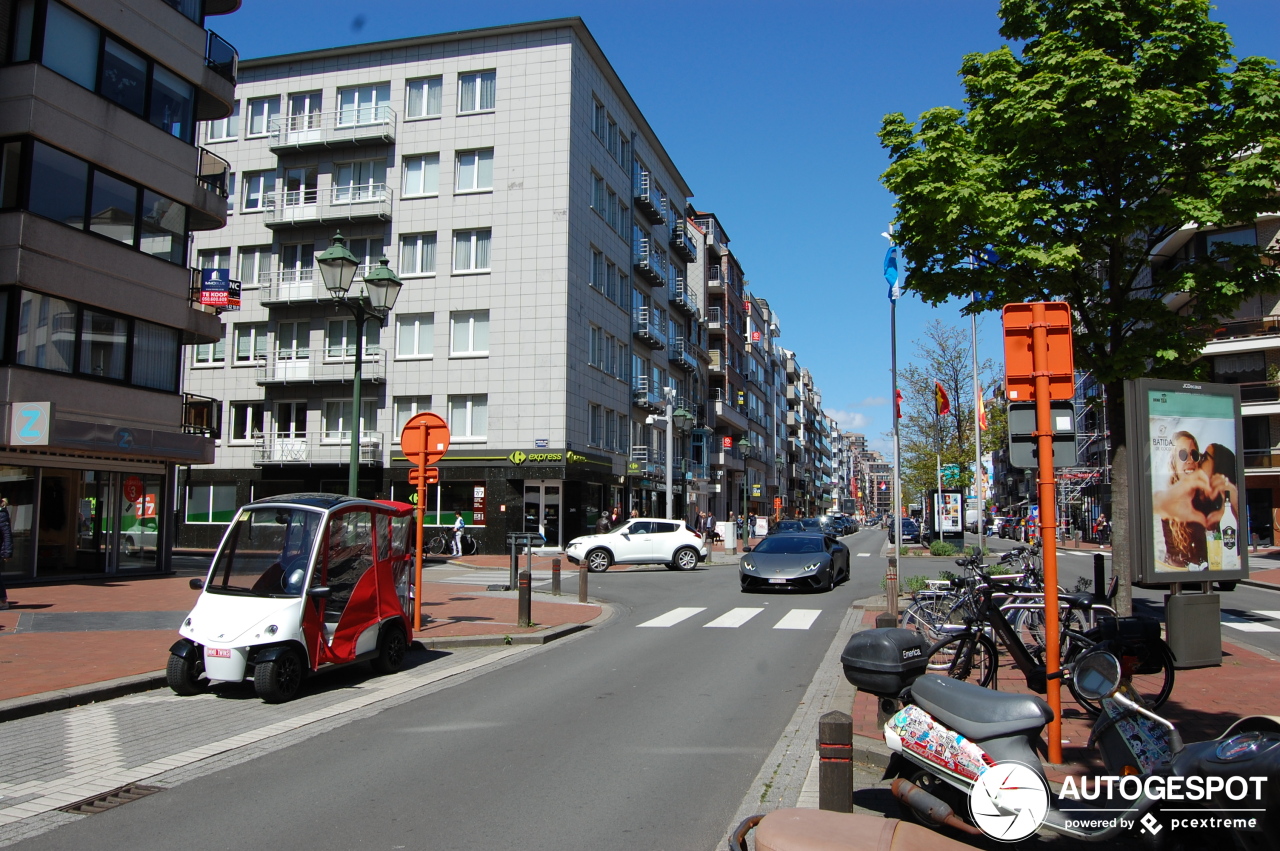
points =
(979, 713)
(820, 830)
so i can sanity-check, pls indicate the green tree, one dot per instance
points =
(1115, 124)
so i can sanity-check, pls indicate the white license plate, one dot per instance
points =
(777, 582)
(218, 652)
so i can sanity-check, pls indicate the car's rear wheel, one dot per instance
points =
(598, 561)
(686, 558)
(391, 648)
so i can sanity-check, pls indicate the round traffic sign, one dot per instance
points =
(424, 438)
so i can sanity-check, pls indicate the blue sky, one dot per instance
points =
(770, 111)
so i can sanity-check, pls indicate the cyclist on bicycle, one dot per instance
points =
(459, 527)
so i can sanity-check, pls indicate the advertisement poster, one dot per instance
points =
(1194, 487)
(952, 513)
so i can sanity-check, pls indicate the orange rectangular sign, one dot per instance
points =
(1019, 369)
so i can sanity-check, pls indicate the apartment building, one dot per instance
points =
(102, 185)
(540, 231)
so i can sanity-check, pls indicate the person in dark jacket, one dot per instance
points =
(6, 548)
(602, 524)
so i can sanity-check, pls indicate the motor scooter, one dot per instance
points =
(949, 733)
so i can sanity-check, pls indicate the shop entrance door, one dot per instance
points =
(542, 510)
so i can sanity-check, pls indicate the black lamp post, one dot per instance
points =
(381, 287)
(744, 444)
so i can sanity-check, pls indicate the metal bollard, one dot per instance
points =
(835, 763)
(555, 577)
(1099, 578)
(525, 602)
(582, 583)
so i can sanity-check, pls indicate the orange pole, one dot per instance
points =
(417, 559)
(1048, 522)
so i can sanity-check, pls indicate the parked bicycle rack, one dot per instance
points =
(516, 540)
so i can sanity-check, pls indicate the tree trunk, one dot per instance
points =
(1121, 522)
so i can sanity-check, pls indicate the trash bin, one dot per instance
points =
(1194, 629)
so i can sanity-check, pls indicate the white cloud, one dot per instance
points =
(850, 420)
(872, 401)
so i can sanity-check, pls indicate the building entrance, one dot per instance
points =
(542, 510)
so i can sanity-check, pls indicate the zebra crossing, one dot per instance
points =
(1247, 621)
(794, 619)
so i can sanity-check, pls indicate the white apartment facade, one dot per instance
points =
(539, 229)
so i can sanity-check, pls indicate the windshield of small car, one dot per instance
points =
(811, 523)
(783, 544)
(790, 526)
(266, 553)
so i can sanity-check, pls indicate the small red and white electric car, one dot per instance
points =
(300, 583)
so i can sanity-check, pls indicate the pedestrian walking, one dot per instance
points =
(6, 548)
(616, 517)
(602, 524)
(459, 526)
(709, 525)
(751, 525)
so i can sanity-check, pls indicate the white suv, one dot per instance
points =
(641, 540)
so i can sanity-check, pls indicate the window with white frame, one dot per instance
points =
(224, 129)
(422, 97)
(471, 250)
(293, 340)
(262, 111)
(407, 407)
(211, 502)
(469, 417)
(367, 251)
(421, 175)
(255, 265)
(338, 421)
(359, 181)
(361, 105)
(251, 342)
(469, 332)
(475, 170)
(597, 193)
(595, 347)
(211, 354)
(415, 335)
(215, 258)
(595, 436)
(477, 92)
(231, 192)
(418, 254)
(340, 339)
(610, 431)
(595, 275)
(246, 421)
(259, 189)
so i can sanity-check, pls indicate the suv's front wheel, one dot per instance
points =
(598, 561)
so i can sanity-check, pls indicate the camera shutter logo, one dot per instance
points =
(1009, 801)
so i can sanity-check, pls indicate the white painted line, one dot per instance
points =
(864, 555)
(1247, 626)
(1273, 615)
(673, 617)
(798, 619)
(734, 618)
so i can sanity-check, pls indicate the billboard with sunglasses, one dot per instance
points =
(1186, 474)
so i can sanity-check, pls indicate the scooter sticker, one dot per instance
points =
(937, 745)
(218, 652)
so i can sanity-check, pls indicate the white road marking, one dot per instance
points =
(673, 617)
(864, 555)
(798, 619)
(1272, 615)
(734, 618)
(1249, 626)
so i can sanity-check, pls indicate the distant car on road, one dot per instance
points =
(812, 524)
(641, 540)
(794, 560)
(786, 526)
(910, 530)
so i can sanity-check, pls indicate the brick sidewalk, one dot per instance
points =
(37, 658)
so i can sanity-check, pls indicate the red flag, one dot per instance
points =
(982, 411)
(941, 402)
(897, 403)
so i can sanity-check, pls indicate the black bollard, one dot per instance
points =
(525, 598)
(555, 577)
(1099, 578)
(835, 763)
(582, 583)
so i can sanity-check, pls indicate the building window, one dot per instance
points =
(597, 193)
(418, 254)
(422, 97)
(415, 335)
(214, 258)
(361, 105)
(611, 138)
(595, 347)
(155, 356)
(624, 289)
(624, 220)
(211, 503)
(251, 342)
(358, 181)
(46, 333)
(340, 339)
(624, 151)
(598, 119)
(246, 421)
(611, 431)
(477, 92)
(596, 277)
(255, 265)
(224, 129)
(408, 407)
(611, 214)
(469, 332)
(211, 354)
(259, 190)
(262, 112)
(611, 282)
(421, 175)
(469, 417)
(471, 250)
(104, 340)
(475, 170)
(596, 416)
(338, 420)
(293, 340)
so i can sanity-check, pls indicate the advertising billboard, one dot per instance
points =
(1186, 482)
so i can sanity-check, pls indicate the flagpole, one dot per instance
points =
(977, 426)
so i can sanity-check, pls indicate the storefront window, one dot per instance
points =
(72, 537)
(18, 486)
(141, 504)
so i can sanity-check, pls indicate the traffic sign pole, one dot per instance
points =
(424, 440)
(417, 558)
(1048, 524)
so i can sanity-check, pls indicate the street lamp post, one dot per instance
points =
(745, 445)
(674, 417)
(338, 270)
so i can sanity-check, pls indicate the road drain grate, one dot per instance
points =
(110, 800)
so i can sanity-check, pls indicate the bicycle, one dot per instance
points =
(443, 541)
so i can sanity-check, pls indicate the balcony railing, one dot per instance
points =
(1268, 458)
(289, 286)
(715, 319)
(682, 242)
(341, 203)
(647, 330)
(647, 198)
(682, 296)
(650, 262)
(1259, 391)
(1254, 326)
(311, 366)
(220, 56)
(679, 356)
(212, 171)
(715, 239)
(329, 447)
(645, 395)
(201, 415)
(717, 360)
(366, 125)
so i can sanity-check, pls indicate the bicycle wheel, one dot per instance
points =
(967, 656)
(469, 545)
(1029, 625)
(1148, 669)
(436, 547)
(926, 614)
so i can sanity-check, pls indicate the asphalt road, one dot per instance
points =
(622, 736)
